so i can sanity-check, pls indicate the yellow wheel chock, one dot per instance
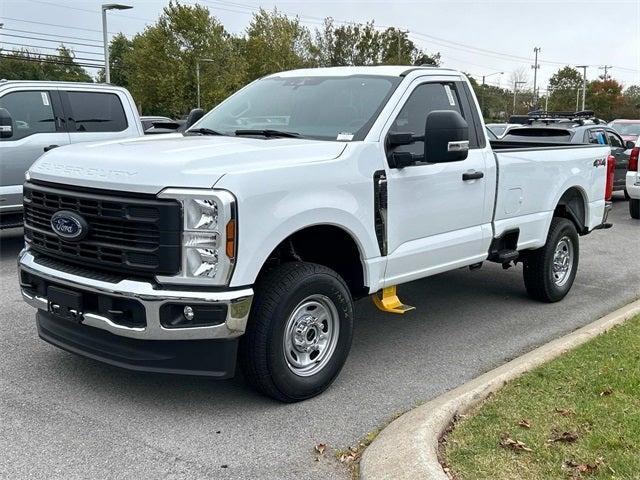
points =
(388, 301)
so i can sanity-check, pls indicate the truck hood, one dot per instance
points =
(150, 164)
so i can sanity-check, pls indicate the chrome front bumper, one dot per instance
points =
(238, 304)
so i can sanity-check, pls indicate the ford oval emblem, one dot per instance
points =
(69, 225)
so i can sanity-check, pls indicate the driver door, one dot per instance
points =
(437, 220)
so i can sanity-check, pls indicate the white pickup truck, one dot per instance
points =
(633, 182)
(254, 231)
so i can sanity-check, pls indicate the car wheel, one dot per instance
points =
(299, 331)
(549, 271)
(634, 208)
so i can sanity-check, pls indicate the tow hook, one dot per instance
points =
(387, 300)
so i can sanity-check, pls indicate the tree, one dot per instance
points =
(274, 43)
(119, 48)
(161, 63)
(605, 98)
(564, 86)
(28, 65)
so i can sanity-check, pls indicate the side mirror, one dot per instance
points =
(194, 115)
(446, 136)
(6, 124)
(628, 145)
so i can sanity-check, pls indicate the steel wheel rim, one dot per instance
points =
(311, 335)
(562, 261)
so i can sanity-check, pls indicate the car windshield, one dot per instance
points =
(624, 128)
(326, 108)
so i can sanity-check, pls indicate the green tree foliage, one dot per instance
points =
(161, 63)
(119, 48)
(274, 43)
(564, 86)
(28, 65)
(605, 98)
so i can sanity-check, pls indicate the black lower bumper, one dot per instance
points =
(211, 358)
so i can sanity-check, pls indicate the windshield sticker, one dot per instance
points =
(345, 137)
(447, 89)
(45, 98)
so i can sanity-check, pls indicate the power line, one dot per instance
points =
(49, 55)
(40, 47)
(99, 43)
(13, 35)
(44, 60)
(42, 2)
(55, 25)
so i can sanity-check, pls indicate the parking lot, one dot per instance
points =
(68, 417)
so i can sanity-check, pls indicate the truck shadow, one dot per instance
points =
(11, 242)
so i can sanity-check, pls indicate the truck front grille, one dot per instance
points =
(135, 235)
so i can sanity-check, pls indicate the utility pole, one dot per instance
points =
(584, 84)
(482, 90)
(105, 35)
(535, 77)
(606, 71)
(515, 91)
(546, 99)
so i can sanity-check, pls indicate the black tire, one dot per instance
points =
(626, 195)
(262, 352)
(538, 264)
(634, 208)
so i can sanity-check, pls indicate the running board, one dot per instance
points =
(387, 300)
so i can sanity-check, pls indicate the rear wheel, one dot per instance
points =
(299, 331)
(549, 271)
(634, 208)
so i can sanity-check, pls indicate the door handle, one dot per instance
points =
(50, 147)
(472, 176)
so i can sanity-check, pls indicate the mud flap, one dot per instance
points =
(387, 300)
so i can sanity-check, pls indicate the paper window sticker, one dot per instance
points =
(345, 137)
(45, 98)
(447, 89)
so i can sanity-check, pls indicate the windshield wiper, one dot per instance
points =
(268, 133)
(204, 131)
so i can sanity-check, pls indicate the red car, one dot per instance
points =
(628, 129)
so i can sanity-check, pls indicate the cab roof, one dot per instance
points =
(383, 70)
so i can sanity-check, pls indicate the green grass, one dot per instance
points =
(592, 391)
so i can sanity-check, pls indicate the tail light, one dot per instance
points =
(633, 159)
(611, 171)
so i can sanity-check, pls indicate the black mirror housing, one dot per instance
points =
(398, 139)
(194, 115)
(446, 137)
(6, 124)
(628, 145)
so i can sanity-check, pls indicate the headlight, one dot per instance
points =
(208, 238)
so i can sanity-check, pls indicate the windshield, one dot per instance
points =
(624, 128)
(326, 108)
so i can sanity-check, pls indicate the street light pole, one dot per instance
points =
(198, 77)
(482, 90)
(535, 77)
(105, 35)
(584, 84)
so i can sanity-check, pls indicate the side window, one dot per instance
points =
(597, 137)
(423, 100)
(614, 140)
(96, 112)
(31, 112)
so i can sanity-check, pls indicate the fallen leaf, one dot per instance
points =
(606, 393)
(565, 412)
(321, 447)
(525, 423)
(515, 445)
(566, 437)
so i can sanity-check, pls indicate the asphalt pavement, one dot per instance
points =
(62, 416)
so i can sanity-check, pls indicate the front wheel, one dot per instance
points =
(549, 271)
(299, 331)
(634, 208)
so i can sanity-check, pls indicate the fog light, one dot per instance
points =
(188, 313)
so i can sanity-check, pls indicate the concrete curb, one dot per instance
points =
(408, 447)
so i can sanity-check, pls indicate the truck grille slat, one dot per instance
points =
(138, 235)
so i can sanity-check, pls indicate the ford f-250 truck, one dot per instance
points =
(253, 232)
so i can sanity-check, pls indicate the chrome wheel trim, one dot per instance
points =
(563, 259)
(311, 335)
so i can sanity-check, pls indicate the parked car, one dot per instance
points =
(148, 121)
(628, 129)
(591, 133)
(490, 134)
(41, 116)
(501, 129)
(254, 230)
(633, 182)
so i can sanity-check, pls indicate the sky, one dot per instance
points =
(480, 37)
